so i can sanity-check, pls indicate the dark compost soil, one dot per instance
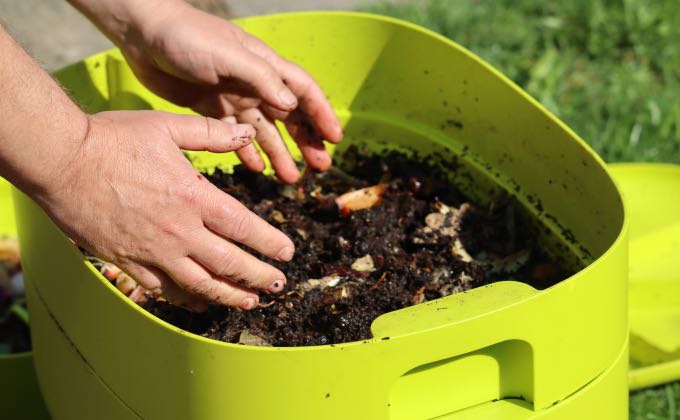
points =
(421, 240)
(14, 333)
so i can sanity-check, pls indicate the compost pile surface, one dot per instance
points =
(374, 234)
(14, 333)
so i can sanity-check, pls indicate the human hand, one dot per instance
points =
(206, 63)
(129, 195)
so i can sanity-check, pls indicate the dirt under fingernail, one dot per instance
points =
(277, 286)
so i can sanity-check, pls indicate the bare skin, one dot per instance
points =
(117, 182)
(212, 66)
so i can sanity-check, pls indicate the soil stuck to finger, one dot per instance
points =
(375, 234)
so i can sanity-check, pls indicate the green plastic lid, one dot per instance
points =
(652, 197)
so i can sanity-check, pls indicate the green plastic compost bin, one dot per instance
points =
(19, 393)
(652, 196)
(505, 350)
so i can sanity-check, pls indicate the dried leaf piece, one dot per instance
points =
(322, 283)
(317, 194)
(249, 339)
(443, 208)
(292, 192)
(125, 284)
(364, 264)
(344, 293)
(435, 221)
(458, 250)
(456, 285)
(344, 243)
(278, 216)
(441, 274)
(361, 199)
(445, 222)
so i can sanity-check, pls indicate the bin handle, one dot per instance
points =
(459, 351)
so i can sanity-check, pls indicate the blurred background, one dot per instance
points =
(57, 35)
(609, 68)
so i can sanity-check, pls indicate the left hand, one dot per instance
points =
(201, 61)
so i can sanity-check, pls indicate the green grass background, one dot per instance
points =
(609, 69)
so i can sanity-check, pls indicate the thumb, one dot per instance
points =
(193, 132)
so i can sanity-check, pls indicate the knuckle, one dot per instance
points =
(231, 297)
(169, 228)
(265, 72)
(201, 286)
(241, 227)
(211, 127)
(228, 265)
(246, 102)
(188, 193)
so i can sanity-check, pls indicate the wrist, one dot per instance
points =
(40, 127)
(51, 171)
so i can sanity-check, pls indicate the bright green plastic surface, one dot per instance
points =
(652, 196)
(8, 228)
(20, 397)
(488, 348)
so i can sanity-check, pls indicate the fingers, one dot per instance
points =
(250, 157)
(269, 139)
(308, 140)
(310, 96)
(155, 281)
(197, 280)
(228, 217)
(259, 75)
(226, 260)
(312, 100)
(191, 132)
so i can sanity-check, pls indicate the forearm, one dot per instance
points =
(40, 126)
(121, 20)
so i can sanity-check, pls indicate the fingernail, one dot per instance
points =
(248, 303)
(277, 286)
(285, 254)
(243, 132)
(287, 98)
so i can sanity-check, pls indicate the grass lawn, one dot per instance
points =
(609, 69)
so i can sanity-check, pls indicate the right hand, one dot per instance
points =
(130, 196)
(201, 61)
